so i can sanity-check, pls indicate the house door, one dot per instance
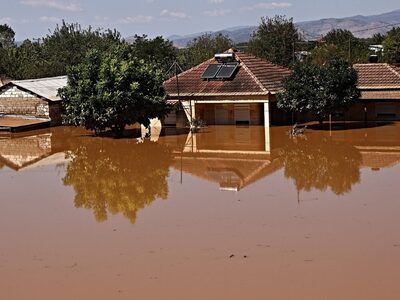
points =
(222, 114)
(386, 111)
(242, 114)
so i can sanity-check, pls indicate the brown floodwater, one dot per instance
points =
(228, 213)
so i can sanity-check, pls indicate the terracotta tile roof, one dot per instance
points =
(378, 76)
(255, 77)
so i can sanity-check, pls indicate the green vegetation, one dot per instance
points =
(275, 40)
(391, 44)
(320, 90)
(203, 48)
(113, 89)
(158, 51)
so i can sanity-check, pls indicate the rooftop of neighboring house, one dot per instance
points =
(378, 81)
(43, 87)
(378, 76)
(253, 77)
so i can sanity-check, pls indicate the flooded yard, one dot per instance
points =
(228, 213)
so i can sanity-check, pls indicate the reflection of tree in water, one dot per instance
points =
(118, 176)
(322, 163)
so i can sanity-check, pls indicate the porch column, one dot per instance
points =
(266, 114)
(189, 108)
(267, 127)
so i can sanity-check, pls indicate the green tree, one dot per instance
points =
(320, 90)
(117, 176)
(341, 42)
(68, 44)
(113, 89)
(275, 40)
(158, 50)
(203, 48)
(7, 36)
(391, 45)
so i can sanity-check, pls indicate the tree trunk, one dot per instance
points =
(118, 130)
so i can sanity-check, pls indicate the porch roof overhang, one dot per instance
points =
(380, 94)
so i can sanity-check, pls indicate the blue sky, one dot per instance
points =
(34, 18)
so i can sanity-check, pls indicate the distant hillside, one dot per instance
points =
(356, 23)
(312, 29)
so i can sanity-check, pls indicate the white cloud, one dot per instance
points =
(136, 19)
(47, 19)
(216, 1)
(217, 12)
(268, 5)
(10, 21)
(6, 20)
(174, 14)
(55, 4)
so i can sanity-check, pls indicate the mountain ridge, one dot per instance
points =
(357, 24)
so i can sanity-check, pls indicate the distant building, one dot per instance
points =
(35, 99)
(232, 88)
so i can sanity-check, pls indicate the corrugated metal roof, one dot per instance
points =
(43, 87)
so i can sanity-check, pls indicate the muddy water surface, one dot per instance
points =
(228, 213)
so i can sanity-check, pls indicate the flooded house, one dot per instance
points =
(379, 85)
(231, 88)
(31, 103)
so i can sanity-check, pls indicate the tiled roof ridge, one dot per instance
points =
(254, 77)
(392, 69)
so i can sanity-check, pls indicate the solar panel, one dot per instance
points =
(226, 71)
(211, 71)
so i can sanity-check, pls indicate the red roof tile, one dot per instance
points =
(378, 76)
(255, 77)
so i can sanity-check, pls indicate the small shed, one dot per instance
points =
(35, 99)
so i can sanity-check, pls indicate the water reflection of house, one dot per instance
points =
(233, 157)
(236, 89)
(28, 152)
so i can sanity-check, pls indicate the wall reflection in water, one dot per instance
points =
(112, 176)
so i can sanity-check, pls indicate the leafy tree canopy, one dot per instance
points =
(392, 46)
(275, 40)
(7, 36)
(320, 90)
(341, 43)
(113, 89)
(203, 48)
(158, 50)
